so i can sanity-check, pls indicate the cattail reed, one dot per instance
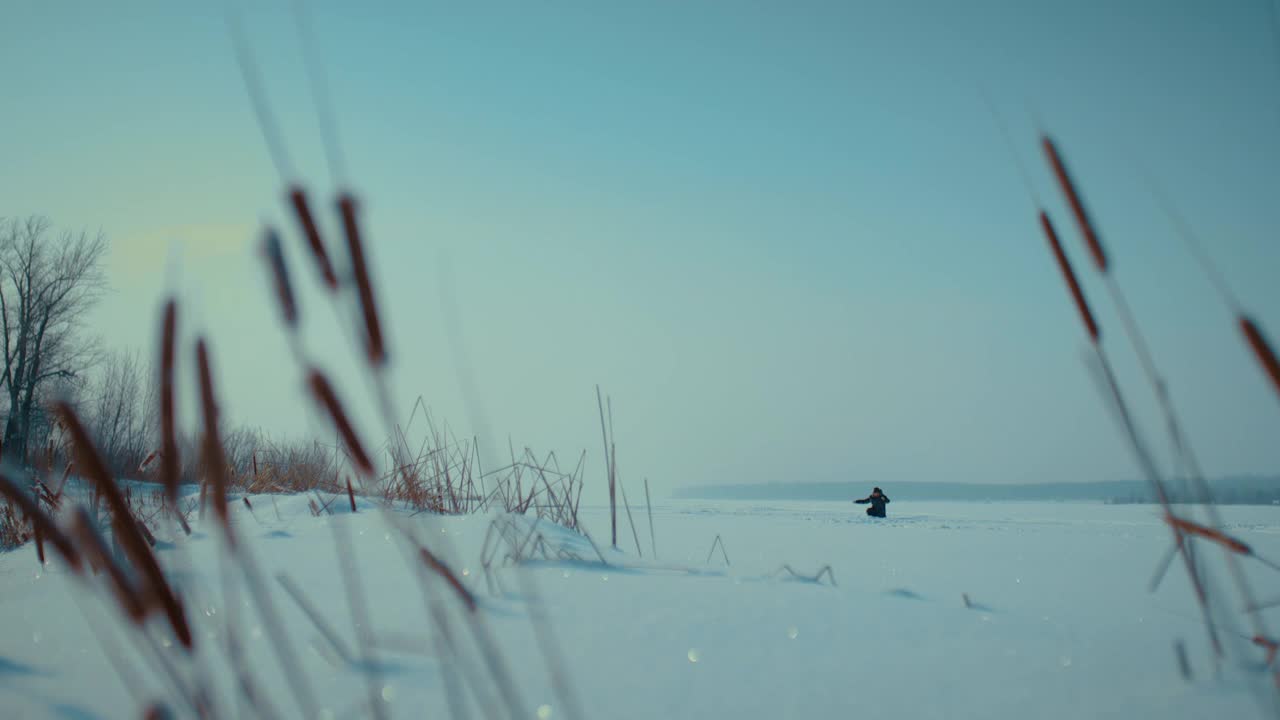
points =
(1193, 528)
(443, 571)
(653, 541)
(351, 494)
(630, 521)
(1184, 666)
(47, 495)
(360, 270)
(100, 556)
(157, 711)
(1269, 645)
(40, 521)
(302, 209)
(1076, 202)
(124, 524)
(317, 619)
(146, 532)
(323, 391)
(1253, 334)
(1261, 349)
(168, 422)
(215, 463)
(1069, 275)
(35, 535)
(1183, 451)
(613, 504)
(62, 484)
(274, 254)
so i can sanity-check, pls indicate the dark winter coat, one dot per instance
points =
(877, 504)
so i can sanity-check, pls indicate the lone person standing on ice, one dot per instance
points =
(878, 500)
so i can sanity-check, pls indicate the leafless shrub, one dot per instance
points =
(15, 529)
(120, 411)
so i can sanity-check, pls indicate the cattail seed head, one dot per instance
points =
(168, 431)
(328, 400)
(274, 254)
(1261, 349)
(1193, 528)
(215, 463)
(1069, 275)
(1077, 204)
(374, 344)
(135, 546)
(302, 209)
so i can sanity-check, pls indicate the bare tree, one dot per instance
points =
(47, 283)
(120, 411)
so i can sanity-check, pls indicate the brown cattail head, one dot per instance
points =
(35, 534)
(1077, 204)
(1193, 528)
(157, 711)
(1261, 349)
(146, 462)
(168, 430)
(215, 463)
(359, 268)
(1270, 645)
(323, 391)
(48, 496)
(301, 208)
(40, 521)
(1068, 274)
(125, 526)
(280, 275)
(468, 598)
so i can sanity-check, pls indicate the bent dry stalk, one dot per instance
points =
(157, 588)
(1261, 350)
(169, 461)
(328, 400)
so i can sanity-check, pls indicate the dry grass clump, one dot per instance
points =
(15, 529)
(107, 542)
(290, 468)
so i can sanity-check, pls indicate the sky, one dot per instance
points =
(789, 240)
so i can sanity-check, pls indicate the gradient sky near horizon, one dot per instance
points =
(788, 239)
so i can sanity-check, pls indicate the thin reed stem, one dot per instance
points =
(648, 506)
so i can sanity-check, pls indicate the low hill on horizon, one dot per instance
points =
(1250, 489)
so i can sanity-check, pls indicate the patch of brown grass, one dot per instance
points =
(15, 530)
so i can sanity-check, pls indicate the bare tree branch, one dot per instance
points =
(47, 285)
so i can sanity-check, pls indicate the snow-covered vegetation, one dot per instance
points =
(1004, 610)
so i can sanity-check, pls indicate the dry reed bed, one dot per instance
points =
(443, 476)
(1184, 530)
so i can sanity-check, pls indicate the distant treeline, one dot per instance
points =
(1247, 490)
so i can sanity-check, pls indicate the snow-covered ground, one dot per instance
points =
(1060, 622)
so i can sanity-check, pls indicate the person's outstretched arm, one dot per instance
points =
(863, 501)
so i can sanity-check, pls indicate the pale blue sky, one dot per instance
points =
(786, 237)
